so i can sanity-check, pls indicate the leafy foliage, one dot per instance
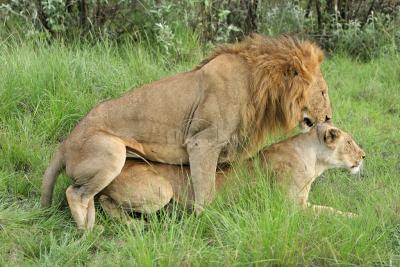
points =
(362, 29)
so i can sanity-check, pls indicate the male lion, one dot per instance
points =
(295, 162)
(220, 110)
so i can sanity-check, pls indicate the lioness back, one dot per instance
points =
(296, 163)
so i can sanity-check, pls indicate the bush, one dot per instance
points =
(361, 29)
(365, 43)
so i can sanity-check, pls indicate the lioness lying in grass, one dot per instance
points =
(295, 162)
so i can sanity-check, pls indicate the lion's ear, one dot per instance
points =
(294, 68)
(291, 72)
(331, 135)
(299, 68)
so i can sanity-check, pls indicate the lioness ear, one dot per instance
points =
(331, 135)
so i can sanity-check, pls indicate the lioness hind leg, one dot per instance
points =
(104, 157)
(139, 189)
(156, 192)
(113, 209)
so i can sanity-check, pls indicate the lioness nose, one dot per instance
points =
(328, 118)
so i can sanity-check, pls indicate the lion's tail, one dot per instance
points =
(50, 176)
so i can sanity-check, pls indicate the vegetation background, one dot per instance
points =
(58, 58)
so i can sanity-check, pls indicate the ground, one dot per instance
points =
(46, 89)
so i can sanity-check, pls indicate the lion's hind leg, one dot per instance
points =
(93, 167)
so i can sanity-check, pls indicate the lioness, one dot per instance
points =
(221, 110)
(295, 162)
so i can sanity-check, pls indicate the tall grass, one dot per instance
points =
(46, 89)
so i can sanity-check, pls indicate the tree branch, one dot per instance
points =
(318, 8)
(308, 8)
(42, 17)
(368, 13)
(83, 13)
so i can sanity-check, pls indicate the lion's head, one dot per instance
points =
(287, 87)
(317, 106)
(339, 149)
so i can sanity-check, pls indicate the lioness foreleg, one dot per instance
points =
(301, 198)
(325, 209)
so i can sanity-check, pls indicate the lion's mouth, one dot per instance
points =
(308, 122)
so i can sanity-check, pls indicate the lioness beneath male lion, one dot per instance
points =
(221, 110)
(295, 162)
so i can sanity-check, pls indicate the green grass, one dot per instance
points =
(45, 90)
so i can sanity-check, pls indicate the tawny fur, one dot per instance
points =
(284, 68)
(295, 164)
(212, 114)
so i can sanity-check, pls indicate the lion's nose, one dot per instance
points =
(328, 118)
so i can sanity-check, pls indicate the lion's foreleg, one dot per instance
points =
(203, 158)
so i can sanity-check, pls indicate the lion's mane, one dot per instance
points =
(282, 70)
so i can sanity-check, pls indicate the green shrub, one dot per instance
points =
(360, 29)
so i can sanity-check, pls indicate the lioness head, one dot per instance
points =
(339, 149)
